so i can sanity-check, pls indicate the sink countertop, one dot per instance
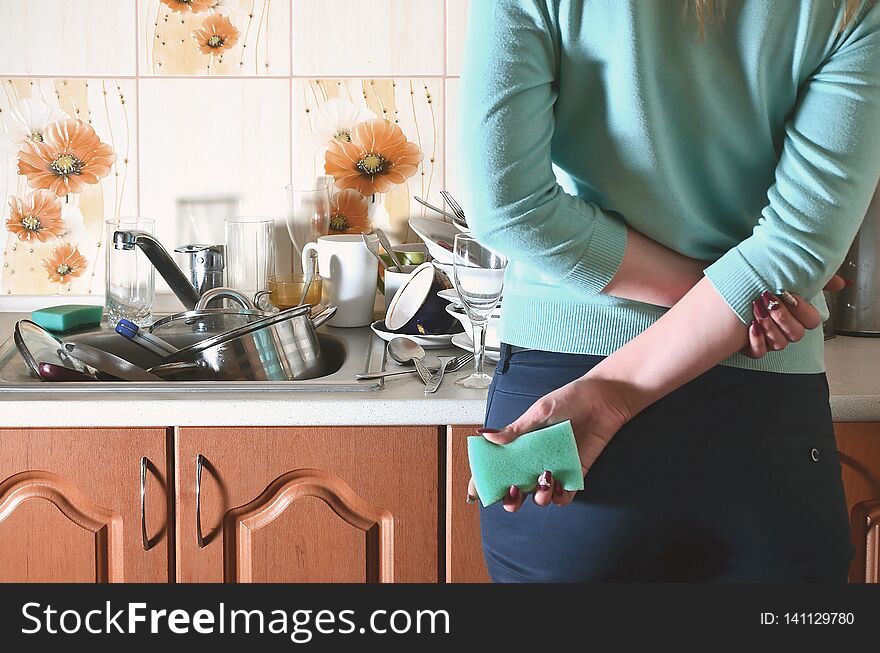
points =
(852, 375)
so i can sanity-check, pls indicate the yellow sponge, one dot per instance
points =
(495, 467)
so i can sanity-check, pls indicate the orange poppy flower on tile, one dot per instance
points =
(378, 158)
(349, 213)
(186, 6)
(64, 263)
(216, 34)
(70, 157)
(36, 216)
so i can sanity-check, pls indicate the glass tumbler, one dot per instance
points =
(250, 253)
(308, 214)
(130, 277)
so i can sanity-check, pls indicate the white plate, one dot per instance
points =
(432, 231)
(428, 342)
(463, 341)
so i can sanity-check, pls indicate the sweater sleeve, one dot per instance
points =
(513, 200)
(824, 180)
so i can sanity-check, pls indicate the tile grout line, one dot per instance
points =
(137, 108)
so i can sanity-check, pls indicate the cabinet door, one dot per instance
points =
(308, 504)
(859, 446)
(70, 505)
(464, 553)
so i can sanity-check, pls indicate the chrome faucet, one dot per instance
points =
(162, 261)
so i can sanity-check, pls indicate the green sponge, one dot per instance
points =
(495, 467)
(68, 317)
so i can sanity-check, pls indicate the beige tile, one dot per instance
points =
(418, 107)
(368, 37)
(167, 46)
(60, 37)
(451, 162)
(456, 24)
(113, 118)
(230, 156)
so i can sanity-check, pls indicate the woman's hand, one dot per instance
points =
(597, 410)
(782, 319)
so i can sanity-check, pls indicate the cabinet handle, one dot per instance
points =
(200, 461)
(145, 541)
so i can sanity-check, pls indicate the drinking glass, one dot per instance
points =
(250, 253)
(479, 280)
(130, 277)
(308, 214)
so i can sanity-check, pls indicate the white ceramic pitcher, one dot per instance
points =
(349, 271)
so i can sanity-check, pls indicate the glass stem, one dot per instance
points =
(479, 336)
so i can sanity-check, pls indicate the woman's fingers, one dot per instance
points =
(776, 340)
(757, 347)
(544, 491)
(791, 328)
(561, 496)
(471, 491)
(513, 500)
(803, 311)
(836, 283)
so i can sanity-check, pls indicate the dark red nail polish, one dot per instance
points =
(760, 310)
(558, 489)
(756, 328)
(471, 499)
(513, 492)
(848, 282)
(545, 480)
(488, 431)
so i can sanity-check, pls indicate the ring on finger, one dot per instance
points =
(773, 304)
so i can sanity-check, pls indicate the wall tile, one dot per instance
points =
(59, 37)
(108, 105)
(168, 47)
(452, 164)
(415, 104)
(230, 156)
(368, 37)
(456, 24)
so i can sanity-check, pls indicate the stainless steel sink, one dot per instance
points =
(346, 353)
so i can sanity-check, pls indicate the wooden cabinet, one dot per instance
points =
(859, 447)
(308, 504)
(464, 553)
(70, 505)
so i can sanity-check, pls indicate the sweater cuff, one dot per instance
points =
(603, 255)
(737, 282)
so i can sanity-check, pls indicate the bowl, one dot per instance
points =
(492, 339)
(415, 308)
(436, 235)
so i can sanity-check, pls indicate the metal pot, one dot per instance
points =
(282, 346)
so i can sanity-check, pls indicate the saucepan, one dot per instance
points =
(281, 346)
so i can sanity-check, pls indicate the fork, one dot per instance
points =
(455, 364)
(457, 211)
(433, 383)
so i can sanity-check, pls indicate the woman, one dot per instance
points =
(631, 156)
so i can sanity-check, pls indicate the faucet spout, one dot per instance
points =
(161, 260)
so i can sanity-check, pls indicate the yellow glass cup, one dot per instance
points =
(285, 290)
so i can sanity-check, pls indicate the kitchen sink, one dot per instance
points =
(345, 352)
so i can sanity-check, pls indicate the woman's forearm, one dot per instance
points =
(652, 273)
(696, 334)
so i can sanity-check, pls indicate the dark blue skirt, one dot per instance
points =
(732, 477)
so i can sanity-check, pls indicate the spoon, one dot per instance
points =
(391, 253)
(309, 277)
(374, 251)
(404, 350)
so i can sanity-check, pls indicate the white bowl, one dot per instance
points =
(492, 339)
(432, 232)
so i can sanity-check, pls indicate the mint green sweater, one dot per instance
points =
(758, 150)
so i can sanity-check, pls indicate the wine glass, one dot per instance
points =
(479, 280)
(308, 214)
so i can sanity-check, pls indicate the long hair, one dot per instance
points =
(707, 11)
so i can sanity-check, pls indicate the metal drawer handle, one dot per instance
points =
(145, 541)
(200, 461)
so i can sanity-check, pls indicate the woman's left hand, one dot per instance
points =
(597, 410)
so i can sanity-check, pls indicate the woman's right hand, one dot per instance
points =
(782, 319)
